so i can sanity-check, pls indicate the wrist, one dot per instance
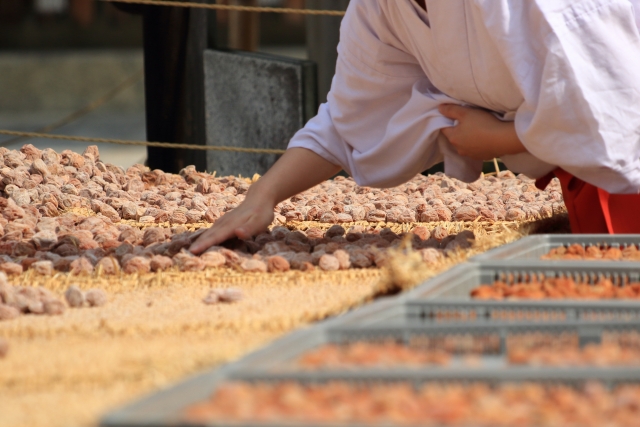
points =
(263, 194)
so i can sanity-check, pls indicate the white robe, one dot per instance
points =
(567, 72)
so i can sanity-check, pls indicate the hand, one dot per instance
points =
(479, 134)
(253, 216)
(297, 170)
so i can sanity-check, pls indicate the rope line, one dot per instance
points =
(90, 107)
(258, 9)
(141, 143)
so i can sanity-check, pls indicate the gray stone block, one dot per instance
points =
(256, 101)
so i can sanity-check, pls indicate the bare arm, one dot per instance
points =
(297, 170)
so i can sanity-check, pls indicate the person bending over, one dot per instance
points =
(552, 87)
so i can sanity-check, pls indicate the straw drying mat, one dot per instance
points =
(68, 370)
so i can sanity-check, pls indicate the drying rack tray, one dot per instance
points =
(534, 247)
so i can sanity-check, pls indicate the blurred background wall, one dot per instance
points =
(59, 54)
(56, 56)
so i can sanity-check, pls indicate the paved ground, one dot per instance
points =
(101, 124)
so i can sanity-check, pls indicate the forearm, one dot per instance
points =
(297, 170)
(506, 140)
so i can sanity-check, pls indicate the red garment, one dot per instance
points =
(593, 210)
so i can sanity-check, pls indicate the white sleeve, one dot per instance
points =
(577, 64)
(636, 8)
(381, 122)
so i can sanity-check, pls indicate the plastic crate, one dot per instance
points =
(447, 296)
(167, 407)
(552, 375)
(534, 247)
(486, 340)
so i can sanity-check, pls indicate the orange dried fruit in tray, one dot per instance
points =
(557, 288)
(578, 252)
(539, 349)
(453, 404)
(616, 349)
(365, 354)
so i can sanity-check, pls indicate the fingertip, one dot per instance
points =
(242, 233)
(195, 249)
(199, 246)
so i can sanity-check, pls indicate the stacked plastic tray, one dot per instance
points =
(440, 314)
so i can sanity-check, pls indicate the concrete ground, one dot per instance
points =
(40, 88)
